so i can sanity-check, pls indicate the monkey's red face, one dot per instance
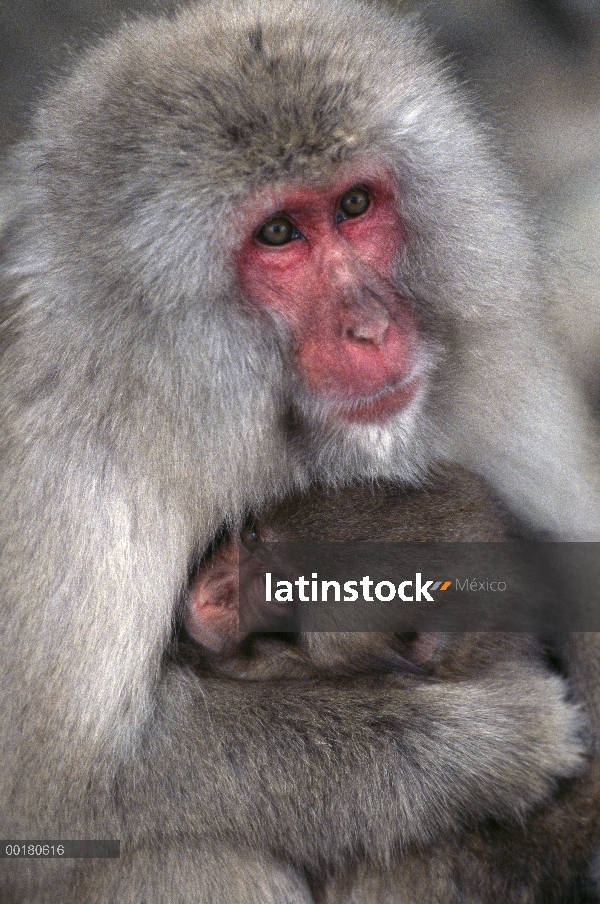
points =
(323, 261)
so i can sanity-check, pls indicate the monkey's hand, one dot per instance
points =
(324, 771)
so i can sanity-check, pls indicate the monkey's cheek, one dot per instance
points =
(257, 613)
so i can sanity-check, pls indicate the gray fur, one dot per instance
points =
(144, 403)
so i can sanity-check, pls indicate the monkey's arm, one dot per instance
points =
(323, 771)
(544, 859)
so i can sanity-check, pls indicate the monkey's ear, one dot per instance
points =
(212, 610)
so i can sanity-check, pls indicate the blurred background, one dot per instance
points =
(532, 67)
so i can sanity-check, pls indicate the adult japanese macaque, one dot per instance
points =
(543, 857)
(251, 246)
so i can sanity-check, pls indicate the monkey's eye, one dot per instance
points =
(354, 202)
(277, 231)
(250, 532)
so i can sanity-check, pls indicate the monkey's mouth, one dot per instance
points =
(380, 406)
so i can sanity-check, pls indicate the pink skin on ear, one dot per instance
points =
(213, 607)
(212, 615)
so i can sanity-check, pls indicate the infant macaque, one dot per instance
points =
(456, 506)
(495, 691)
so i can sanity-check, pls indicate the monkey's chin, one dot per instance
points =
(398, 448)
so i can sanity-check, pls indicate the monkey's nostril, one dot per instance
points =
(367, 334)
(367, 326)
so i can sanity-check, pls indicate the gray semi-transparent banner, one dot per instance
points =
(360, 586)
